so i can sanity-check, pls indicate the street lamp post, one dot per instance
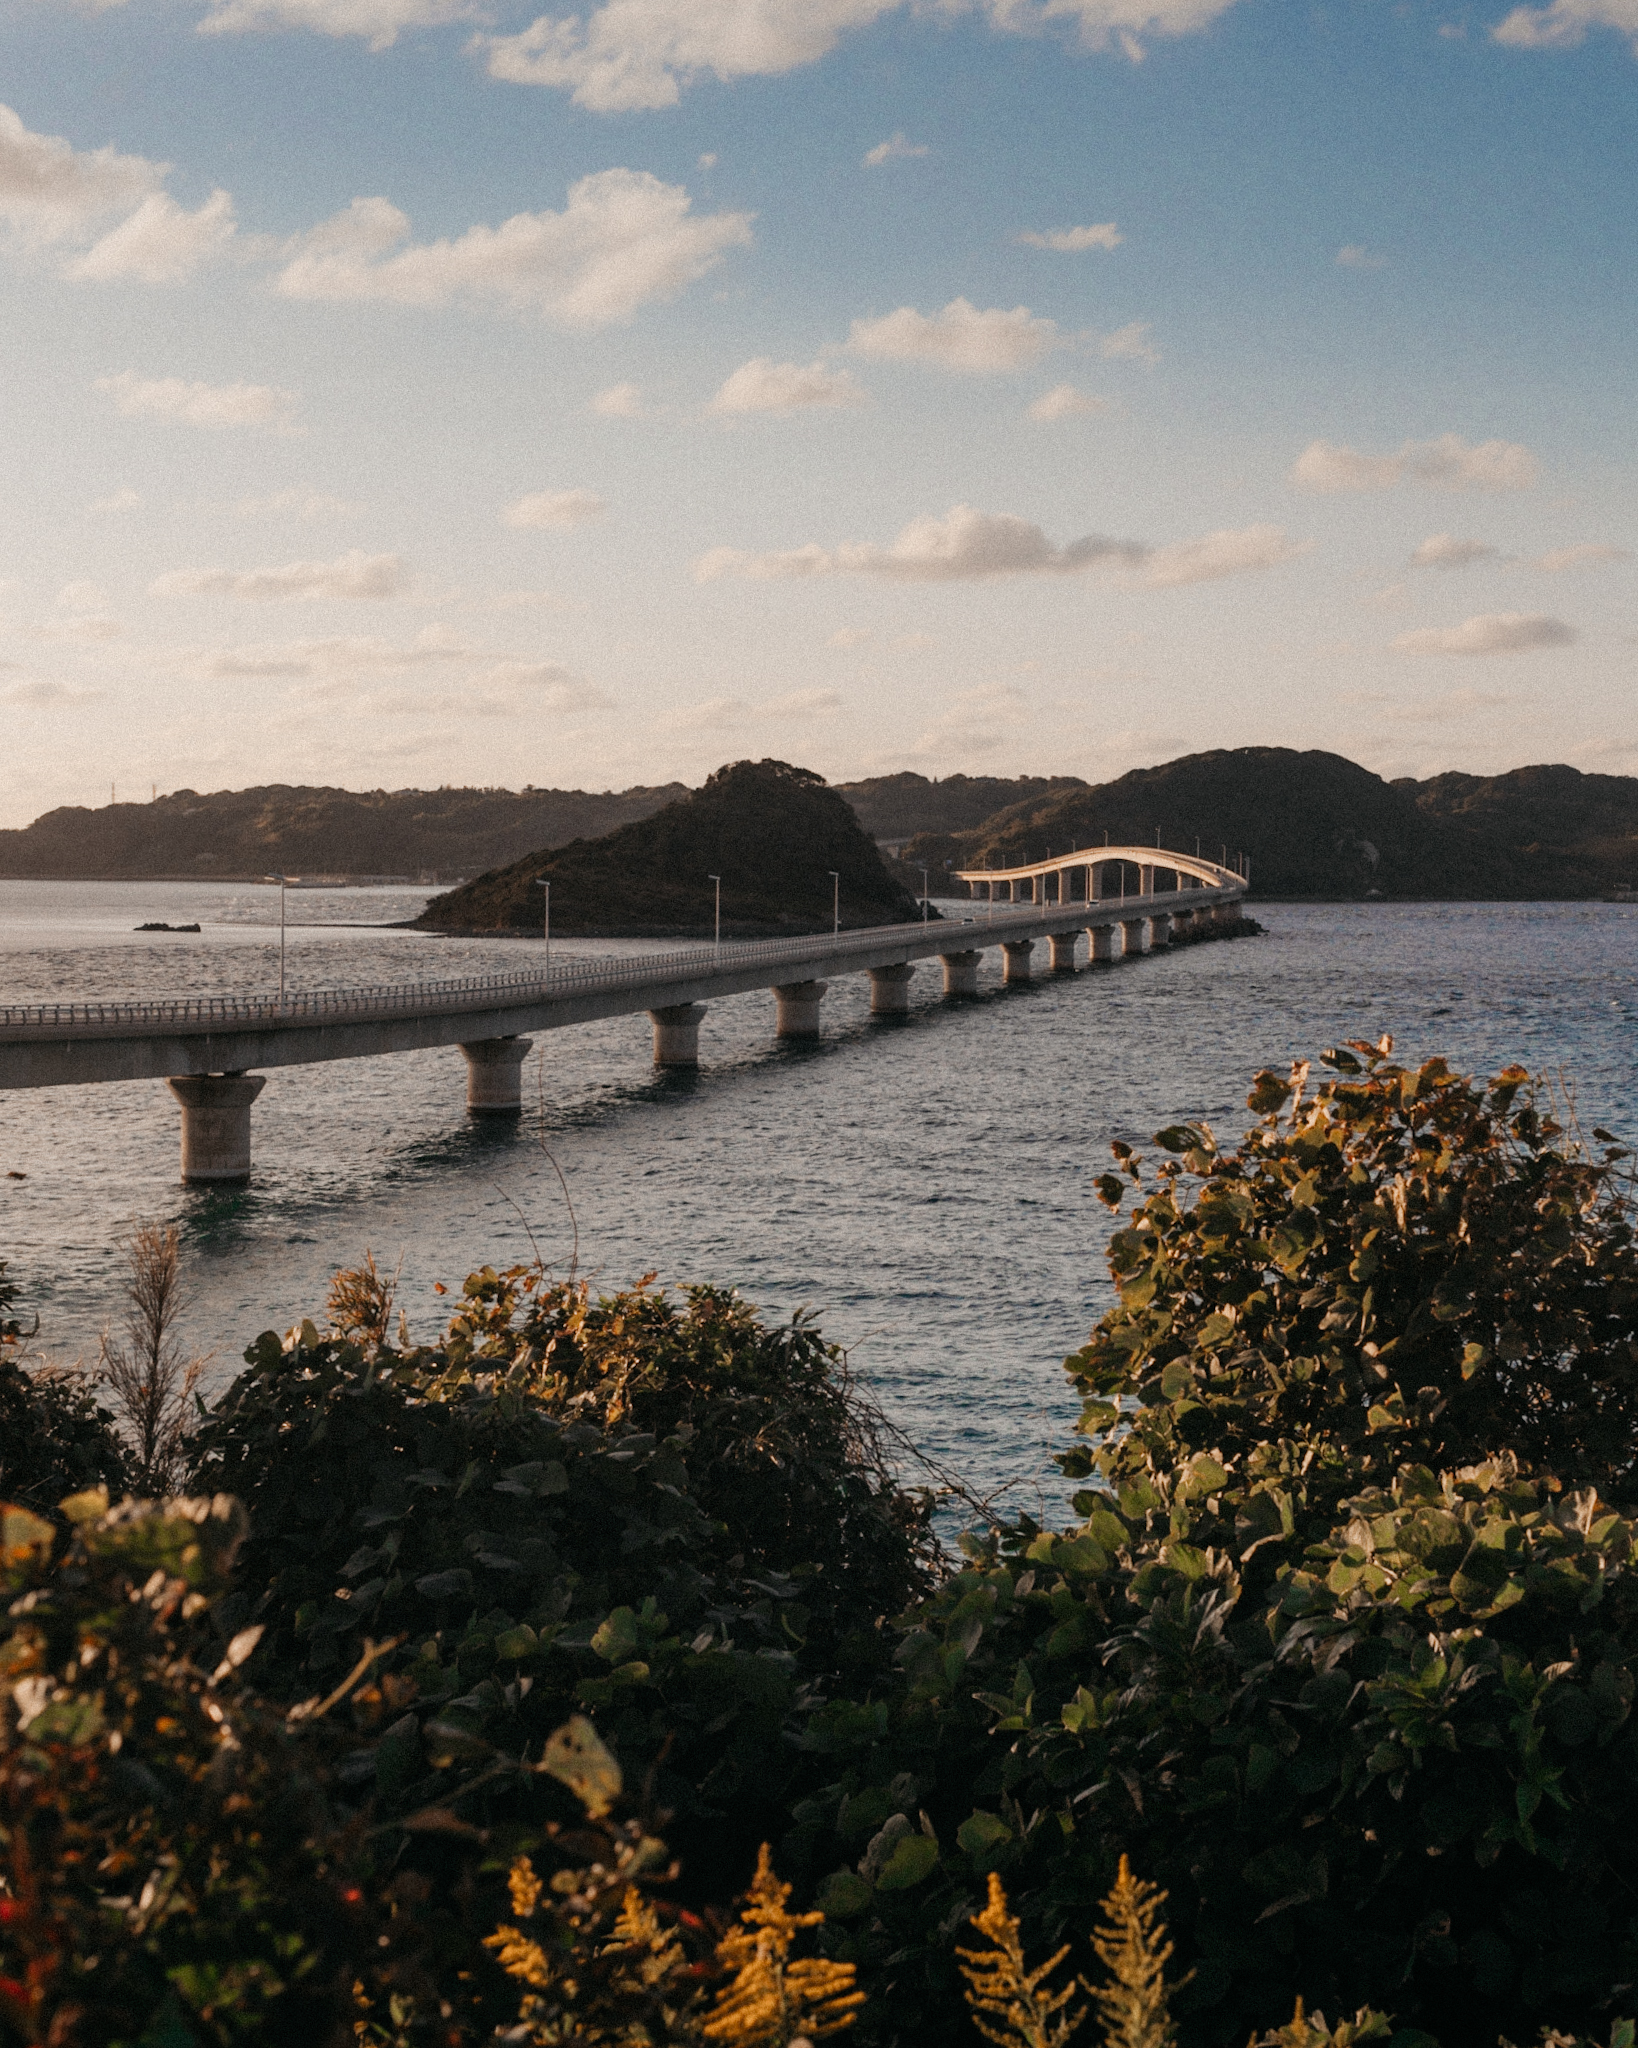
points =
(284, 882)
(835, 903)
(717, 940)
(544, 882)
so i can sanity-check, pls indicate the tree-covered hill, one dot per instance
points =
(772, 832)
(1316, 825)
(235, 833)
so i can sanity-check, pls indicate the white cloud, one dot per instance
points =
(1064, 402)
(81, 596)
(629, 54)
(1071, 241)
(377, 22)
(1130, 343)
(894, 146)
(53, 191)
(619, 402)
(1489, 633)
(1582, 557)
(306, 505)
(125, 500)
(961, 337)
(1445, 551)
(967, 545)
(1448, 463)
(850, 636)
(1565, 23)
(354, 574)
(40, 694)
(160, 243)
(557, 511)
(623, 239)
(1228, 552)
(202, 405)
(1355, 256)
(718, 714)
(338, 656)
(763, 385)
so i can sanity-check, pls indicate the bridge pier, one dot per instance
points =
(1105, 941)
(1016, 955)
(677, 1034)
(494, 1075)
(1160, 929)
(1063, 951)
(961, 973)
(796, 1008)
(216, 1125)
(890, 989)
(1137, 935)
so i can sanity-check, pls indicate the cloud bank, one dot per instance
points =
(1489, 633)
(354, 574)
(1565, 23)
(1448, 463)
(623, 239)
(1071, 241)
(963, 337)
(1445, 551)
(968, 545)
(556, 511)
(202, 405)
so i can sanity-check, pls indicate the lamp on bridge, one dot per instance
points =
(717, 940)
(544, 882)
(284, 882)
(835, 903)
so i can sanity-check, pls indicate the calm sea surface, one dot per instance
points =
(925, 1185)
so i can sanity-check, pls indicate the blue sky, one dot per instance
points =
(414, 391)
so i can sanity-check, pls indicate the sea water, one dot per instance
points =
(924, 1186)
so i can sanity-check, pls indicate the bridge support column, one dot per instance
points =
(677, 1034)
(1063, 951)
(961, 973)
(1160, 929)
(890, 989)
(494, 1075)
(1016, 954)
(797, 1008)
(216, 1125)
(1137, 935)
(1106, 941)
(1182, 924)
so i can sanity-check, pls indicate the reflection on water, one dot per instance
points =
(925, 1184)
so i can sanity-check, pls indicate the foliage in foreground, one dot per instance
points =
(55, 1437)
(1341, 1649)
(1344, 1647)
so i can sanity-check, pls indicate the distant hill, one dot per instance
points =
(1315, 825)
(894, 807)
(442, 834)
(771, 831)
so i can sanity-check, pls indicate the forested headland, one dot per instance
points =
(456, 1687)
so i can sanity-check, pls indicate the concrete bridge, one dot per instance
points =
(208, 1047)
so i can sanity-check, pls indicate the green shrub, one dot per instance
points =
(1343, 1650)
(495, 1507)
(173, 1870)
(55, 1437)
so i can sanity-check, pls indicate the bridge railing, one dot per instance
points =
(485, 991)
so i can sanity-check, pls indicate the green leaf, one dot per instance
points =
(617, 1640)
(914, 1857)
(843, 1895)
(982, 1831)
(576, 1757)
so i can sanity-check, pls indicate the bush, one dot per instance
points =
(666, 1518)
(55, 1437)
(1343, 1649)
(174, 1871)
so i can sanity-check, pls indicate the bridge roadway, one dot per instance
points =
(208, 1047)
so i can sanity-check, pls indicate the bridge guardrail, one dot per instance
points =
(479, 992)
